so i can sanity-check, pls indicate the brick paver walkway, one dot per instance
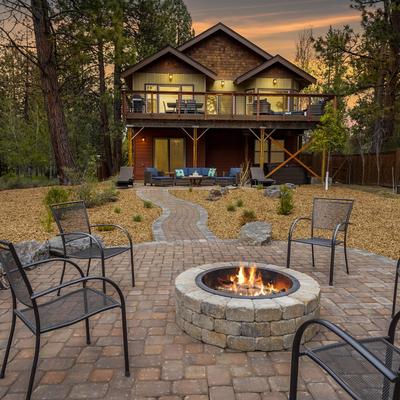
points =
(180, 219)
(168, 364)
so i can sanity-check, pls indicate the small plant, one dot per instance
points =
(260, 186)
(105, 228)
(231, 207)
(53, 196)
(190, 190)
(147, 204)
(239, 203)
(93, 197)
(117, 210)
(248, 216)
(137, 218)
(286, 201)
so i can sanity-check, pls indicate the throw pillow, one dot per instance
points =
(179, 173)
(212, 172)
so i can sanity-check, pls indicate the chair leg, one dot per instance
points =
(313, 256)
(62, 277)
(88, 267)
(332, 265)
(345, 257)
(34, 366)
(289, 250)
(103, 273)
(87, 326)
(132, 267)
(125, 339)
(10, 338)
(294, 371)
(396, 282)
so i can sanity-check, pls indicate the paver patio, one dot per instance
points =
(168, 364)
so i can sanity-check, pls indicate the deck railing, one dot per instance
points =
(209, 105)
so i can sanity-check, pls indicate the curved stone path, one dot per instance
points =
(180, 219)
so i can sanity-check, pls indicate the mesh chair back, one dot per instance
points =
(71, 217)
(125, 174)
(15, 274)
(257, 173)
(328, 213)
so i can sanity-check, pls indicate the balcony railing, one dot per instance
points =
(219, 105)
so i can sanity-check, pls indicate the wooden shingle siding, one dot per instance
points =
(169, 64)
(225, 56)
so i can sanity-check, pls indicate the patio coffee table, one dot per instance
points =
(195, 180)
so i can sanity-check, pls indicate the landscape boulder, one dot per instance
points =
(56, 246)
(256, 233)
(274, 191)
(216, 194)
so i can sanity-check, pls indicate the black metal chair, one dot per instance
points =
(73, 223)
(396, 283)
(56, 312)
(367, 369)
(328, 214)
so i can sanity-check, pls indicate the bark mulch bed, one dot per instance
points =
(22, 210)
(375, 217)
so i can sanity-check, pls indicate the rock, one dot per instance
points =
(214, 195)
(274, 191)
(56, 246)
(256, 233)
(224, 191)
(31, 251)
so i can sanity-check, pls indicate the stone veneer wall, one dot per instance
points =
(245, 324)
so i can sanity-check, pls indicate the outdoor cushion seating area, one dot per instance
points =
(200, 176)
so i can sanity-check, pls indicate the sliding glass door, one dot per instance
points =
(169, 153)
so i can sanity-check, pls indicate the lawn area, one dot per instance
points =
(22, 211)
(375, 217)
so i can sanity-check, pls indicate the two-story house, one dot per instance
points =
(218, 101)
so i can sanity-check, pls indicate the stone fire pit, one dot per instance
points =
(255, 323)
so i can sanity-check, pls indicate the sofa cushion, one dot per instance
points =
(152, 170)
(234, 171)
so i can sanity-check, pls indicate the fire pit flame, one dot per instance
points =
(248, 281)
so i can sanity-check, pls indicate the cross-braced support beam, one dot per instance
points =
(131, 137)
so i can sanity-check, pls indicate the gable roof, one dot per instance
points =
(277, 59)
(221, 27)
(176, 53)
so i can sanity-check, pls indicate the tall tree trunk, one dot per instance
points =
(45, 48)
(117, 148)
(104, 123)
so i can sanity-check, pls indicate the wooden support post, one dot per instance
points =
(262, 147)
(130, 149)
(195, 139)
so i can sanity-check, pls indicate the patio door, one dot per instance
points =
(169, 153)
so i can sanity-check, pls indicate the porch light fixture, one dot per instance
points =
(274, 81)
(170, 76)
(222, 83)
(143, 139)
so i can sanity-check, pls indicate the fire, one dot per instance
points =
(248, 281)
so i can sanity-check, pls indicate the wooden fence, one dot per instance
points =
(349, 168)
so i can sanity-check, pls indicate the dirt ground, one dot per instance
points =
(375, 217)
(22, 212)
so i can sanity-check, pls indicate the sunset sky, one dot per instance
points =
(274, 25)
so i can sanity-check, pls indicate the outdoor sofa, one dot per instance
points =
(181, 176)
(232, 179)
(153, 176)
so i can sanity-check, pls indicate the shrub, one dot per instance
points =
(53, 196)
(105, 228)
(12, 181)
(286, 201)
(117, 210)
(89, 193)
(260, 186)
(147, 204)
(248, 216)
(239, 203)
(190, 190)
(231, 207)
(137, 218)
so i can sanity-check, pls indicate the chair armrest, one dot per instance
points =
(357, 346)
(294, 225)
(58, 259)
(337, 228)
(96, 241)
(121, 228)
(37, 295)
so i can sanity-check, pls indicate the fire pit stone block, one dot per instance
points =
(245, 324)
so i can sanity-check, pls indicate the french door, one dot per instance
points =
(169, 153)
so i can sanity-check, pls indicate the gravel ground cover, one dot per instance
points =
(22, 210)
(375, 218)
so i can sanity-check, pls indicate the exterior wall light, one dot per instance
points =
(170, 76)
(274, 81)
(143, 139)
(222, 83)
